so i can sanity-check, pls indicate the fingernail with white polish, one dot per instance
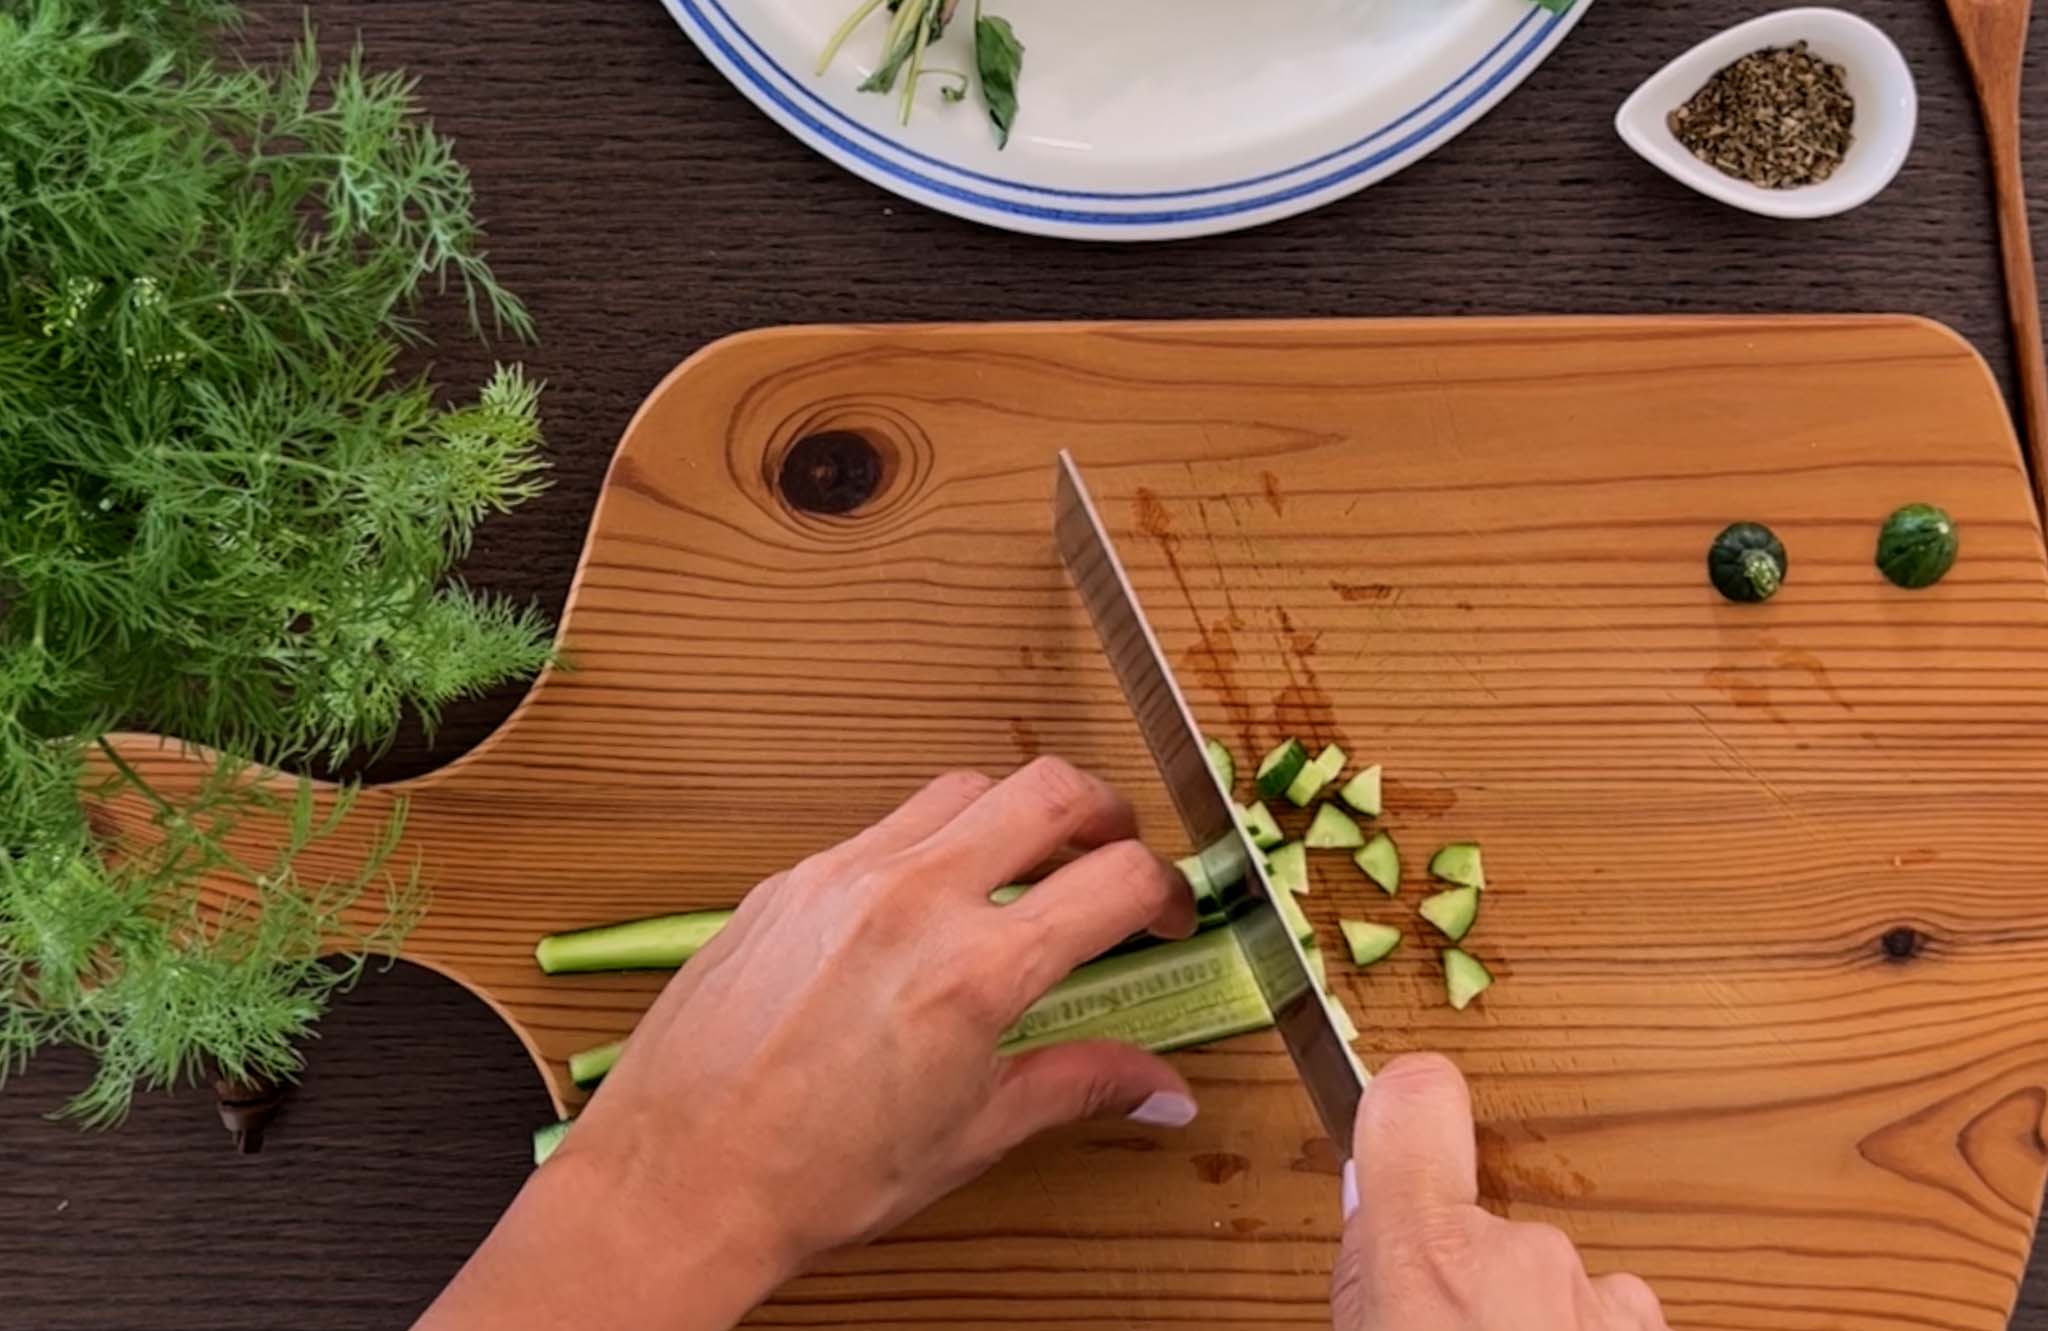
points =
(1164, 1109)
(1348, 1193)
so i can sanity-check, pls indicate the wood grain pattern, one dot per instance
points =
(1473, 551)
(1993, 34)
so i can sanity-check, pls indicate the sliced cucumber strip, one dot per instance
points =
(1222, 764)
(661, 942)
(546, 1138)
(1333, 829)
(1287, 869)
(1465, 978)
(1369, 942)
(1347, 1030)
(1318, 969)
(1008, 893)
(1459, 863)
(1362, 792)
(1297, 919)
(1380, 860)
(1452, 911)
(1165, 997)
(1279, 767)
(588, 1066)
(1260, 826)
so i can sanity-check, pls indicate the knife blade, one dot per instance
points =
(1328, 1070)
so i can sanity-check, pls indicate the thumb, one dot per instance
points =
(1412, 1144)
(1085, 1079)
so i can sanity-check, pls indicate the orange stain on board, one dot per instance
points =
(1318, 1156)
(1417, 801)
(1363, 591)
(1807, 661)
(1220, 1166)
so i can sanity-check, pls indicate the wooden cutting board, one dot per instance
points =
(1768, 900)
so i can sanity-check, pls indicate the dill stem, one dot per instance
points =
(853, 21)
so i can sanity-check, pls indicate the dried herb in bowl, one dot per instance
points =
(1780, 118)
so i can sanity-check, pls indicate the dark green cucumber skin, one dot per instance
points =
(1916, 546)
(1747, 562)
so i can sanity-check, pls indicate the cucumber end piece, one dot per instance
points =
(1279, 768)
(1465, 977)
(1369, 942)
(546, 1138)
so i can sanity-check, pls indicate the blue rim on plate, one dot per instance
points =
(796, 105)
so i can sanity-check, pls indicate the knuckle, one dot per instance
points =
(1130, 863)
(1427, 1263)
(961, 787)
(1545, 1247)
(1062, 788)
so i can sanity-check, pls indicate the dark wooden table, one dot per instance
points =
(643, 209)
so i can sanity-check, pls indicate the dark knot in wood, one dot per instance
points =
(1902, 943)
(833, 471)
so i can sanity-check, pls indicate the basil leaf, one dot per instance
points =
(999, 58)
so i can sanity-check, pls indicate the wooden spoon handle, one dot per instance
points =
(2022, 297)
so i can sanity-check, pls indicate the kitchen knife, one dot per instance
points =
(1327, 1067)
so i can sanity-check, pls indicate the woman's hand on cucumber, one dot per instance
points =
(1418, 1250)
(826, 1066)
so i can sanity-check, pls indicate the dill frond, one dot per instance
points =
(223, 515)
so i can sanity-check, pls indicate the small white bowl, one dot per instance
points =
(1887, 108)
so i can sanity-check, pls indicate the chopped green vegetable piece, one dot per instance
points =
(1279, 767)
(546, 1138)
(1318, 969)
(1362, 792)
(1333, 829)
(1008, 893)
(1222, 764)
(1369, 942)
(1747, 562)
(1260, 826)
(1347, 1030)
(1162, 998)
(1380, 860)
(1197, 874)
(587, 1067)
(660, 942)
(1465, 978)
(1309, 782)
(1917, 546)
(1453, 911)
(1287, 869)
(1297, 920)
(1459, 863)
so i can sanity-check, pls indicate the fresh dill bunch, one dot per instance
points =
(224, 515)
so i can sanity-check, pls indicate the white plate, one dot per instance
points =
(1144, 119)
